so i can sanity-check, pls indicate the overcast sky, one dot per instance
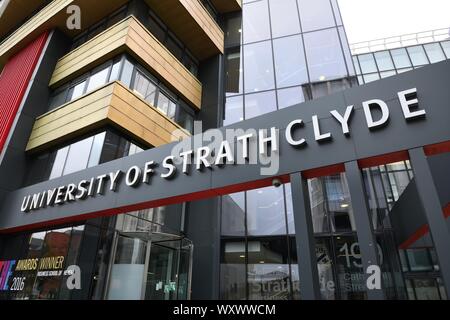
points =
(372, 19)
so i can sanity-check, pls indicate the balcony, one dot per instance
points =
(129, 35)
(192, 24)
(112, 104)
(225, 6)
(188, 19)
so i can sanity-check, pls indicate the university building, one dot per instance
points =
(345, 180)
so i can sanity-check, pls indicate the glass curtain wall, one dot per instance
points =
(278, 53)
(382, 64)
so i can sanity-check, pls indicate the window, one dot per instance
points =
(258, 67)
(367, 63)
(265, 211)
(290, 96)
(384, 60)
(233, 30)
(166, 105)
(234, 110)
(256, 21)
(284, 17)
(434, 52)
(369, 77)
(85, 153)
(324, 55)
(233, 219)
(446, 47)
(290, 65)
(417, 55)
(259, 103)
(97, 79)
(145, 88)
(233, 72)
(316, 14)
(400, 57)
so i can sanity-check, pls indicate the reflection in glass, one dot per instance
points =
(265, 211)
(324, 55)
(367, 63)
(258, 67)
(417, 55)
(315, 14)
(290, 65)
(384, 60)
(233, 73)
(371, 77)
(97, 79)
(446, 47)
(290, 96)
(259, 103)
(256, 21)
(233, 214)
(400, 58)
(284, 17)
(234, 110)
(268, 269)
(434, 52)
(232, 271)
(78, 156)
(385, 74)
(233, 30)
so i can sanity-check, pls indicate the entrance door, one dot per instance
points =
(151, 266)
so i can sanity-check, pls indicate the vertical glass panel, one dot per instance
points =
(426, 289)
(58, 164)
(371, 77)
(322, 89)
(403, 70)
(115, 71)
(446, 46)
(367, 63)
(315, 14)
(419, 259)
(256, 21)
(384, 60)
(97, 146)
(185, 119)
(76, 91)
(265, 211)
(268, 269)
(284, 17)
(318, 204)
(259, 103)
(166, 105)
(233, 214)
(97, 79)
(233, 30)
(234, 111)
(339, 204)
(127, 272)
(174, 47)
(290, 96)
(347, 52)
(78, 156)
(145, 88)
(337, 12)
(127, 73)
(232, 270)
(290, 65)
(324, 54)
(325, 260)
(434, 52)
(417, 55)
(258, 67)
(58, 98)
(156, 28)
(400, 57)
(114, 147)
(356, 64)
(233, 73)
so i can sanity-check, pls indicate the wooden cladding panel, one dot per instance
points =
(131, 36)
(193, 24)
(225, 6)
(113, 104)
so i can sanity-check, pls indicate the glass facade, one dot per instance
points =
(284, 48)
(85, 153)
(382, 64)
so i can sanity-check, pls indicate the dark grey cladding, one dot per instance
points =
(398, 134)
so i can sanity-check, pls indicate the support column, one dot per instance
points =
(304, 239)
(364, 228)
(433, 211)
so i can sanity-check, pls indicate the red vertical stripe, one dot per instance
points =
(14, 81)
